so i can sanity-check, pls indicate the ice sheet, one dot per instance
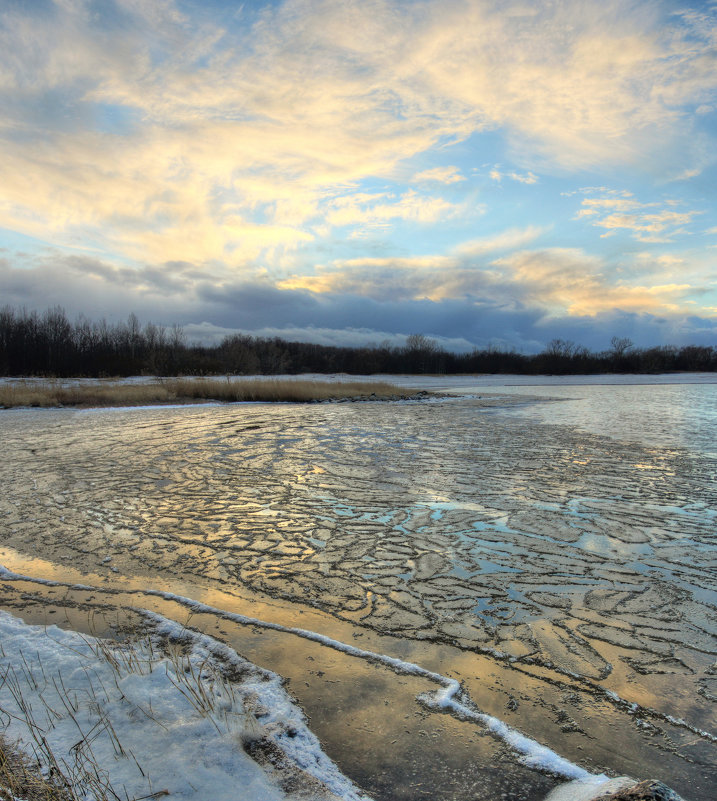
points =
(581, 565)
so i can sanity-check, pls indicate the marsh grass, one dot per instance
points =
(191, 390)
(36, 772)
(287, 391)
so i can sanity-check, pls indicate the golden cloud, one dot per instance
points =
(442, 175)
(566, 280)
(177, 125)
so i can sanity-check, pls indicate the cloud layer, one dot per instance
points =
(360, 156)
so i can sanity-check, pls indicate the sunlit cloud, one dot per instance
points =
(210, 307)
(685, 175)
(560, 281)
(441, 175)
(291, 147)
(647, 222)
(380, 278)
(382, 208)
(567, 281)
(497, 174)
(435, 277)
(153, 132)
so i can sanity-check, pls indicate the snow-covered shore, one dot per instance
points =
(173, 713)
(177, 713)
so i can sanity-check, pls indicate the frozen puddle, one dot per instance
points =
(564, 580)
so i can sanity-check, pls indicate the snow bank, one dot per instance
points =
(144, 719)
(590, 789)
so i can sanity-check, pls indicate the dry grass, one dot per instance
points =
(210, 685)
(279, 390)
(52, 394)
(189, 390)
(76, 775)
(21, 778)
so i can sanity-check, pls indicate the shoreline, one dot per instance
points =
(364, 687)
(567, 781)
(164, 392)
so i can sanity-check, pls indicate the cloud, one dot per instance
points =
(586, 83)
(685, 175)
(505, 315)
(647, 222)
(155, 133)
(382, 208)
(268, 168)
(557, 282)
(568, 281)
(497, 174)
(442, 175)
(209, 334)
(434, 276)
(649, 227)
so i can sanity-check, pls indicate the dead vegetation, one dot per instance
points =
(22, 778)
(190, 390)
(38, 766)
(38, 772)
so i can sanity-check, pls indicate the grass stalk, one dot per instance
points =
(77, 774)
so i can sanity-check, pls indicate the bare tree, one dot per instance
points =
(561, 347)
(620, 345)
(420, 343)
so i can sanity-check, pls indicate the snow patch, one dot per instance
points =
(143, 720)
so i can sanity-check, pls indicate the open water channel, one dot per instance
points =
(552, 548)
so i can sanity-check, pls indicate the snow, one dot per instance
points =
(590, 789)
(142, 719)
(450, 697)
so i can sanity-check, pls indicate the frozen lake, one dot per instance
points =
(552, 546)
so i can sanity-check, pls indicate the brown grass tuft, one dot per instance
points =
(274, 390)
(188, 390)
(21, 778)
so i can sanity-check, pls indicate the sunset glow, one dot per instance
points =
(487, 173)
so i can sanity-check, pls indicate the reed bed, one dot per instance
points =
(292, 391)
(191, 390)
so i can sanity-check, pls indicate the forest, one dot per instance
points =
(48, 344)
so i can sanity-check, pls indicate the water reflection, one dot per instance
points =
(574, 562)
(663, 416)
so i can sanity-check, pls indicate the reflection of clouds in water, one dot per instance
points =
(663, 416)
(435, 521)
(608, 546)
(334, 519)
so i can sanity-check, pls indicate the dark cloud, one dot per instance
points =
(181, 293)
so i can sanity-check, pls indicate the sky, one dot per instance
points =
(489, 173)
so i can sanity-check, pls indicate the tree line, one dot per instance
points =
(48, 344)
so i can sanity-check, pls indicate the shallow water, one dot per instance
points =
(566, 576)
